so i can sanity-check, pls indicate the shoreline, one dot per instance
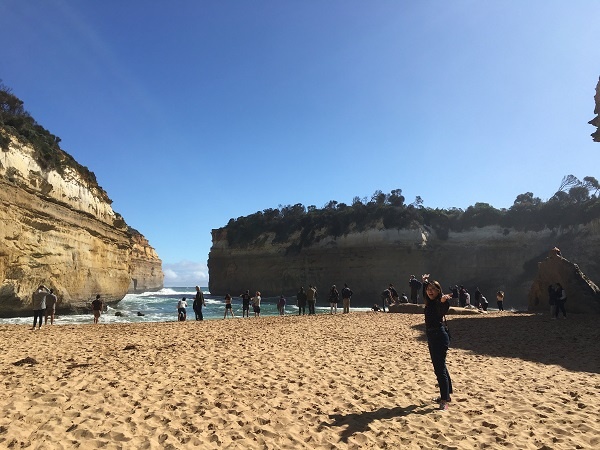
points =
(359, 380)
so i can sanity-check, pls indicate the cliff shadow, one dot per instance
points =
(571, 343)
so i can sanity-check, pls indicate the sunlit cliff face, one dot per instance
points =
(62, 232)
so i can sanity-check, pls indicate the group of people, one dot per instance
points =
(304, 298)
(247, 299)
(199, 302)
(390, 297)
(309, 298)
(44, 302)
(44, 306)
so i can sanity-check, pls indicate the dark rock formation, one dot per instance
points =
(583, 296)
(596, 120)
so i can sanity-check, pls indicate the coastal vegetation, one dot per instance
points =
(575, 202)
(17, 122)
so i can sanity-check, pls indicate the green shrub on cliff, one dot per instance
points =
(16, 121)
(575, 202)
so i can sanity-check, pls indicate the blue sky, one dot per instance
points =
(191, 113)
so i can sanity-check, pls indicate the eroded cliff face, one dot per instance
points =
(58, 230)
(146, 274)
(491, 258)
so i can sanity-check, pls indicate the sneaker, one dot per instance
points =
(443, 406)
(439, 399)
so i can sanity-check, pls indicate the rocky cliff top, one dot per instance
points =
(596, 120)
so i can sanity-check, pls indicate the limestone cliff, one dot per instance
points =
(146, 274)
(59, 229)
(491, 258)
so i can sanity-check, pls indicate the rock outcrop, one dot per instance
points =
(583, 296)
(492, 258)
(59, 229)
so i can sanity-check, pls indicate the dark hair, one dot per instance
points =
(436, 285)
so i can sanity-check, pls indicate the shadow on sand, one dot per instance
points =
(360, 422)
(573, 343)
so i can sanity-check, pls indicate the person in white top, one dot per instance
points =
(256, 304)
(181, 312)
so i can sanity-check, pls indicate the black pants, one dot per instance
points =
(301, 310)
(38, 313)
(199, 315)
(311, 307)
(500, 306)
(438, 342)
(560, 305)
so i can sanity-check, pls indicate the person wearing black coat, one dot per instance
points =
(438, 340)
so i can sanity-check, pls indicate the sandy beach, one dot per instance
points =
(362, 380)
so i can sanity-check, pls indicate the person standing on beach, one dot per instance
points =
(50, 307)
(281, 305)
(311, 299)
(415, 287)
(394, 294)
(500, 300)
(438, 341)
(256, 304)
(301, 301)
(334, 298)
(478, 298)
(199, 303)
(386, 297)
(181, 312)
(228, 306)
(462, 296)
(39, 305)
(97, 307)
(454, 291)
(346, 296)
(246, 303)
(560, 298)
(551, 299)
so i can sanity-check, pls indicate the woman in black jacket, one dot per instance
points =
(436, 307)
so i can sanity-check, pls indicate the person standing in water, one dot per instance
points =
(228, 307)
(256, 304)
(97, 307)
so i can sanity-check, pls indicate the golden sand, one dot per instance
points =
(362, 380)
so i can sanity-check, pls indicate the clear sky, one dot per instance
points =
(194, 112)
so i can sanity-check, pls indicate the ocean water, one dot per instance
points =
(161, 306)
